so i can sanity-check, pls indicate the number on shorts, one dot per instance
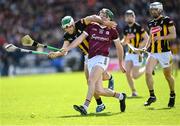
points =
(105, 61)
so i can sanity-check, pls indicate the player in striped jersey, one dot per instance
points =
(72, 31)
(135, 35)
(162, 31)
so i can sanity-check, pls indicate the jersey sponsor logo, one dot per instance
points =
(131, 36)
(99, 38)
(156, 29)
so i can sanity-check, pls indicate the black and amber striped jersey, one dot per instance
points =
(79, 28)
(159, 28)
(134, 33)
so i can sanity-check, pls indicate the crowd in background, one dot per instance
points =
(41, 20)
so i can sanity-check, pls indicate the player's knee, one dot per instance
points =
(135, 76)
(128, 73)
(105, 77)
(90, 82)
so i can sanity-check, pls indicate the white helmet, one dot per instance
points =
(67, 21)
(130, 12)
(156, 5)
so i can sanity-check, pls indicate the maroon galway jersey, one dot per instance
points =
(100, 39)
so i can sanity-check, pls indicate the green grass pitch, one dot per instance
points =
(47, 100)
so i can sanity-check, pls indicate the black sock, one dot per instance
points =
(99, 101)
(111, 77)
(172, 94)
(151, 93)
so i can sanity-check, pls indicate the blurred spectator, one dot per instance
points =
(4, 65)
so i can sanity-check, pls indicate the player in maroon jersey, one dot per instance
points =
(100, 39)
(72, 31)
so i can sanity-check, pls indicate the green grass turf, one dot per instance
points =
(51, 97)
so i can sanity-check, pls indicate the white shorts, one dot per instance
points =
(164, 58)
(134, 58)
(98, 60)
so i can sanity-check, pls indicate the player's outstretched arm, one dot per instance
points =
(96, 18)
(53, 55)
(93, 18)
(76, 42)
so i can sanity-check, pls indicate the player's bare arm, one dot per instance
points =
(98, 19)
(148, 43)
(125, 40)
(92, 18)
(120, 54)
(53, 55)
(76, 42)
(145, 39)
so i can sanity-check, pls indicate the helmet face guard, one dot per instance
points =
(67, 21)
(108, 13)
(156, 9)
(130, 17)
